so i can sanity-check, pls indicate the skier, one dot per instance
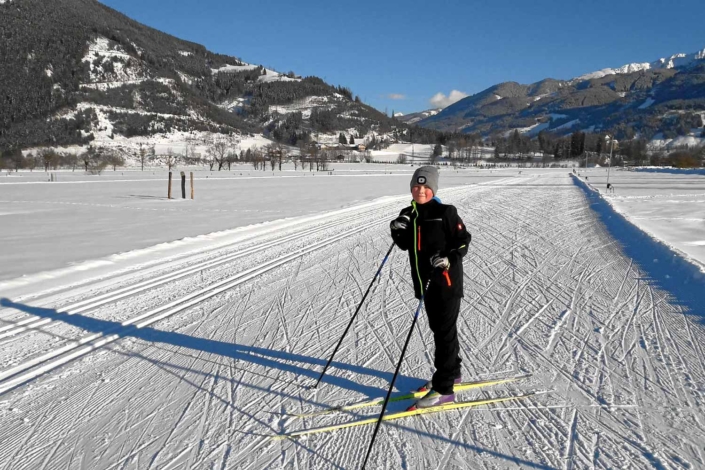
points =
(436, 239)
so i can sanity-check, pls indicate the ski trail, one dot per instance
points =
(572, 436)
(548, 292)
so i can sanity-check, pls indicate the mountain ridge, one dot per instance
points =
(77, 72)
(675, 60)
(664, 101)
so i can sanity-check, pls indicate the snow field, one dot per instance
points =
(84, 218)
(667, 206)
(548, 292)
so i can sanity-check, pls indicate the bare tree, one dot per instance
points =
(114, 160)
(170, 158)
(217, 153)
(50, 158)
(230, 159)
(31, 161)
(191, 157)
(303, 149)
(71, 160)
(312, 154)
(276, 153)
(88, 157)
(196, 158)
(93, 160)
(143, 156)
(282, 153)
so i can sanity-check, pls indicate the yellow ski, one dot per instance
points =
(399, 415)
(378, 401)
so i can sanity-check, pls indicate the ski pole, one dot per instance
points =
(391, 247)
(396, 372)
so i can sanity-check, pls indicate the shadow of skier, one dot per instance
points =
(267, 358)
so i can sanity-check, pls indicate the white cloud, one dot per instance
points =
(396, 96)
(439, 100)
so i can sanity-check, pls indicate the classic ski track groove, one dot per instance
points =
(120, 293)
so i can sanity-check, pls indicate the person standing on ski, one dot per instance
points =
(436, 239)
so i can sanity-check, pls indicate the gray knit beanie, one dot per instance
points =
(426, 175)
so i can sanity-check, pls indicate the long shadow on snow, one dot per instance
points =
(480, 450)
(261, 356)
(299, 443)
(665, 268)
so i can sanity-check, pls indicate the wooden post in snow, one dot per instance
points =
(192, 185)
(183, 185)
(169, 192)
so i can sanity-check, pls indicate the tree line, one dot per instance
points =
(94, 160)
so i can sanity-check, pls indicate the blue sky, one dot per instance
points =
(397, 55)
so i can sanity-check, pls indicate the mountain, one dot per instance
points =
(662, 99)
(79, 72)
(676, 60)
(413, 118)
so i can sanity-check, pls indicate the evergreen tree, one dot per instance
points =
(342, 139)
(352, 140)
(437, 150)
(515, 142)
(600, 145)
(577, 144)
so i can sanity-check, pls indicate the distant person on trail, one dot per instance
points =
(436, 239)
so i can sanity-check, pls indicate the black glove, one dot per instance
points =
(440, 262)
(400, 223)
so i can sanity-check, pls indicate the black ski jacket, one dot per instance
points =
(435, 228)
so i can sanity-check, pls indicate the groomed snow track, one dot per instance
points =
(192, 366)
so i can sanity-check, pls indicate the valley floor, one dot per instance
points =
(195, 364)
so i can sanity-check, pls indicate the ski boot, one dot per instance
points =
(432, 399)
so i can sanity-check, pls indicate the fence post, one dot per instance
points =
(183, 185)
(192, 185)
(169, 192)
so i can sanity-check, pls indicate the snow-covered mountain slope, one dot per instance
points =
(137, 81)
(664, 97)
(413, 118)
(676, 60)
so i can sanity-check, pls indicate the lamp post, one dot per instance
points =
(609, 164)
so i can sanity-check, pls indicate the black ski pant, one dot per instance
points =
(443, 319)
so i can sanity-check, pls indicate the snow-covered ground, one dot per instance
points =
(191, 363)
(668, 206)
(75, 222)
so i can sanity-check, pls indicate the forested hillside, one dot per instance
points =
(658, 103)
(71, 68)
